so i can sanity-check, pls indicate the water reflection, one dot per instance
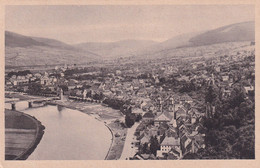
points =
(60, 108)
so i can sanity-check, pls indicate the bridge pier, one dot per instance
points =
(13, 106)
(30, 104)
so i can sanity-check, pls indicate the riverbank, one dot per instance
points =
(22, 135)
(110, 117)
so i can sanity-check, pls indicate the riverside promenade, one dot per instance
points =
(129, 147)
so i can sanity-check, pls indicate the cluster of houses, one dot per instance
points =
(22, 82)
(176, 129)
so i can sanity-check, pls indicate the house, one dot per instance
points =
(177, 106)
(37, 75)
(162, 118)
(173, 122)
(45, 80)
(162, 129)
(183, 78)
(168, 144)
(186, 98)
(249, 89)
(139, 156)
(194, 115)
(8, 83)
(172, 132)
(138, 111)
(72, 84)
(118, 72)
(146, 104)
(144, 139)
(196, 142)
(194, 66)
(181, 112)
(184, 129)
(225, 78)
(226, 93)
(148, 117)
(174, 154)
(217, 69)
(152, 132)
(185, 140)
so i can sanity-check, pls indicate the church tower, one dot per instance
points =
(160, 109)
(61, 94)
(171, 105)
(213, 79)
(84, 94)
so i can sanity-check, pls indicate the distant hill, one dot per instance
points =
(17, 40)
(54, 43)
(23, 50)
(232, 33)
(115, 49)
(181, 40)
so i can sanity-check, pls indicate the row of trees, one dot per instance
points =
(36, 89)
(19, 73)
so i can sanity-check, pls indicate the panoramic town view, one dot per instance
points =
(129, 82)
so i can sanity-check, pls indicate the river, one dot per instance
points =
(69, 134)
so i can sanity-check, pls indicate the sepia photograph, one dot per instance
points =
(129, 82)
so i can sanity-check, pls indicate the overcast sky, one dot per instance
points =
(75, 24)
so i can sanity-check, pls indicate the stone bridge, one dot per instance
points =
(30, 101)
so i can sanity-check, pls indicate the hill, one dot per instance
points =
(232, 33)
(23, 50)
(115, 49)
(17, 40)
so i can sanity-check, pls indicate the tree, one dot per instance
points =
(89, 93)
(245, 143)
(86, 86)
(210, 95)
(230, 134)
(64, 87)
(144, 148)
(19, 73)
(138, 117)
(154, 145)
(191, 156)
(237, 97)
(34, 88)
(130, 120)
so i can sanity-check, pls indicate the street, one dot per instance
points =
(128, 151)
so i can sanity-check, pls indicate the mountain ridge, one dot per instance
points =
(22, 50)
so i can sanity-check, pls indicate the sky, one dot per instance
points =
(96, 23)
